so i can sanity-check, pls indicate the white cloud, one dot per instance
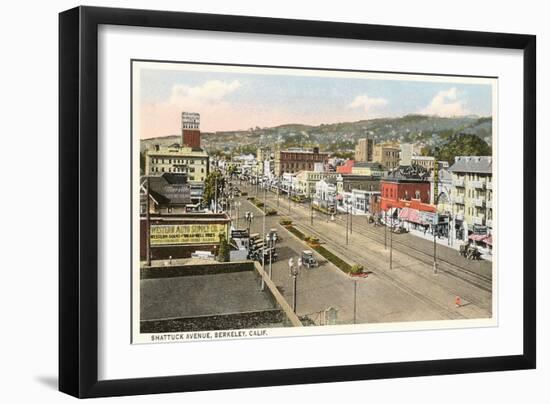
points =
(446, 103)
(366, 102)
(210, 91)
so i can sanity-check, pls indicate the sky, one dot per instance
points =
(239, 100)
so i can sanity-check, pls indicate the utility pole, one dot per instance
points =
(385, 230)
(311, 211)
(148, 220)
(278, 190)
(354, 301)
(263, 250)
(391, 245)
(435, 250)
(288, 198)
(347, 221)
(351, 220)
(216, 193)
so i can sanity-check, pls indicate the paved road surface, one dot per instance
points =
(408, 292)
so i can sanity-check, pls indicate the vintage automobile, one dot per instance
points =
(470, 251)
(308, 260)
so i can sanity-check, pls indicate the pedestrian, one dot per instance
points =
(458, 301)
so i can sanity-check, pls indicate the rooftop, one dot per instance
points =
(412, 172)
(170, 188)
(473, 164)
(176, 150)
(201, 295)
(362, 164)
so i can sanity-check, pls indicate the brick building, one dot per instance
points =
(406, 187)
(294, 160)
(190, 129)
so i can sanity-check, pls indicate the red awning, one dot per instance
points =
(489, 240)
(410, 215)
(477, 237)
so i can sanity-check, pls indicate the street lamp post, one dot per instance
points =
(271, 239)
(248, 216)
(237, 204)
(294, 271)
(311, 210)
(264, 236)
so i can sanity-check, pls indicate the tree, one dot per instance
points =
(213, 178)
(223, 251)
(461, 144)
(231, 170)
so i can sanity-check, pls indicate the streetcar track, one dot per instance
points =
(395, 282)
(482, 282)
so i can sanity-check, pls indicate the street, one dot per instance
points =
(409, 291)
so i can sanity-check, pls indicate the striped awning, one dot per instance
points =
(477, 237)
(411, 215)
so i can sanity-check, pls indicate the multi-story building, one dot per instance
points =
(349, 182)
(294, 160)
(472, 194)
(371, 169)
(190, 129)
(364, 150)
(307, 180)
(176, 159)
(325, 194)
(406, 187)
(387, 154)
(441, 186)
(182, 160)
(406, 154)
(428, 162)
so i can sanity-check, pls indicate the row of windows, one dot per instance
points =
(389, 193)
(156, 160)
(174, 170)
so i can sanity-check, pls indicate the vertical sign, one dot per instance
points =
(436, 182)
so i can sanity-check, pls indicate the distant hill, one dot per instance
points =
(429, 130)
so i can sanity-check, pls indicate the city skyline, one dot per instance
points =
(229, 99)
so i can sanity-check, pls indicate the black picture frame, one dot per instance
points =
(78, 200)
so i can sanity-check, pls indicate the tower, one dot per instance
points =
(190, 129)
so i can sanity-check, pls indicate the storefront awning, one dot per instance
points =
(411, 215)
(477, 237)
(489, 240)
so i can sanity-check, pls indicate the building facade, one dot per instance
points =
(306, 181)
(169, 193)
(178, 236)
(364, 150)
(387, 154)
(190, 129)
(294, 160)
(176, 159)
(372, 169)
(406, 187)
(472, 193)
(349, 182)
